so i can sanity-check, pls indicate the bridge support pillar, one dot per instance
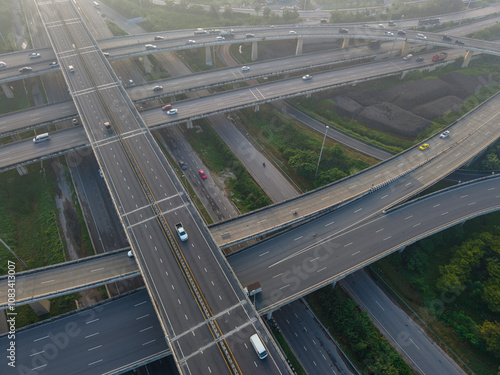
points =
(404, 51)
(467, 58)
(189, 124)
(269, 315)
(255, 53)
(401, 250)
(345, 43)
(208, 56)
(308, 95)
(300, 44)
(256, 108)
(147, 64)
(404, 74)
(41, 307)
(7, 91)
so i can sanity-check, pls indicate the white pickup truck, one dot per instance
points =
(181, 232)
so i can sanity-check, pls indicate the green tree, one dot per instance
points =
(228, 12)
(266, 12)
(490, 333)
(290, 14)
(214, 10)
(491, 161)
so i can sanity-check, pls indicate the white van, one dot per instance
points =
(41, 138)
(259, 347)
(71, 68)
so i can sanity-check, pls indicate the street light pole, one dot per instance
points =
(321, 152)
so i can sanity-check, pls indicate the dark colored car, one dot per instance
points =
(343, 30)
(459, 42)
(419, 59)
(447, 38)
(401, 32)
(182, 165)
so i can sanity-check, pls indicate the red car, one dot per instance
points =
(167, 107)
(202, 174)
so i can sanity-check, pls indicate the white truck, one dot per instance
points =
(253, 289)
(181, 232)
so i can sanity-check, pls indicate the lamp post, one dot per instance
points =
(321, 152)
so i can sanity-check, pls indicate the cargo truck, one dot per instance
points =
(181, 232)
(228, 34)
(253, 289)
(439, 56)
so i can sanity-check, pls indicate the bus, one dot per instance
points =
(200, 31)
(41, 138)
(429, 21)
(96, 4)
(259, 347)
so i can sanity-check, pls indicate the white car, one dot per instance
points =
(388, 33)
(54, 64)
(2, 64)
(130, 254)
(150, 46)
(100, 174)
(191, 41)
(291, 32)
(157, 88)
(34, 55)
(219, 38)
(245, 68)
(445, 134)
(131, 82)
(173, 111)
(307, 77)
(421, 36)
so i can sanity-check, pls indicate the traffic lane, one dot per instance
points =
(314, 349)
(426, 356)
(324, 260)
(165, 278)
(19, 152)
(40, 283)
(305, 237)
(57, 346)
(208, 271)
(336, 135)
(280, 189)
(37, 115)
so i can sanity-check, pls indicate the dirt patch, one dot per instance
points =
(409, 108)
(71, 230)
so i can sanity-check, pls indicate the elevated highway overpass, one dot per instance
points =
(189, 110)
(460, 203)
(133, 46)
(204, 316)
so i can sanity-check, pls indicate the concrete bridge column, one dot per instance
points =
(256, 108)
(269, 315)
(300, 44)
(405, 49)
(208, 56)
(467, 58)
(189, 124)
(147, 65)
(402, 249)
(7, 91)
(345, 43)
(255, 53)
(41, 307)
